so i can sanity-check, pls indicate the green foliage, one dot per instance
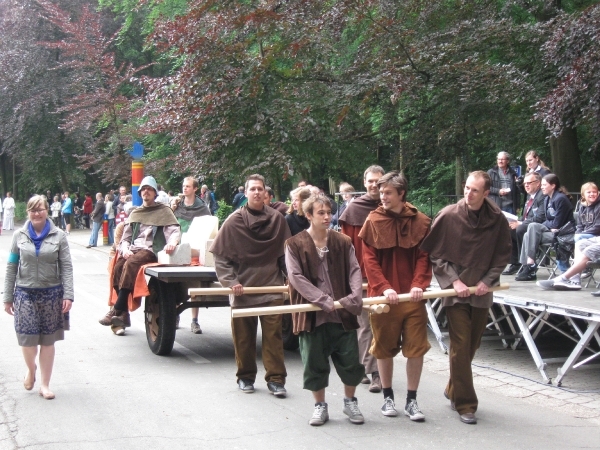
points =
(224, 211)
(20, 211)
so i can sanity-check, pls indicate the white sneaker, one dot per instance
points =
(352, 411)
(389, 408)
(546, 285)
(320, 415)
(567, 285)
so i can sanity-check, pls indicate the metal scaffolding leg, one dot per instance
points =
(539, 362)
(435, 327)
(497, 326)
(577, 351)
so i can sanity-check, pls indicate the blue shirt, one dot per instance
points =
(67, 207)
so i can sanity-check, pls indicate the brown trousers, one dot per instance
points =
(365, 339)
(125, 270)
(466, 325)
(244, 342)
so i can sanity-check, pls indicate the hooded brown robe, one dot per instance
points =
(249, 250)
(471, 246)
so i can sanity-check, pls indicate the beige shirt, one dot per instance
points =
(145, 237)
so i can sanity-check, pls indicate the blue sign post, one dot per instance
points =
(137, 172)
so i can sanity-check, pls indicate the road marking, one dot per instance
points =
(189, 354)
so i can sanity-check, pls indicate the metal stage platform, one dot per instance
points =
(525, 313)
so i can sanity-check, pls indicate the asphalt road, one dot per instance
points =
(112, 392)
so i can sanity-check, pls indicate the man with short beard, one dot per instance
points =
(249, 252)
(469, 245)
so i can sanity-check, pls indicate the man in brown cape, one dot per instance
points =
(249, 251)
(352, 220)
(149, 229)
(469, 245)
(395, 265)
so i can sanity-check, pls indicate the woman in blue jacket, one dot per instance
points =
(559, 211)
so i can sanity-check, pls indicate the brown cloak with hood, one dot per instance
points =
(471, 245)
(248, 249)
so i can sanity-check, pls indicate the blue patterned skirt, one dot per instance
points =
(38, 316)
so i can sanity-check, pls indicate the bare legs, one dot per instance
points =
(319, 395)
(46, 361)
(414, 367)
(29, 354)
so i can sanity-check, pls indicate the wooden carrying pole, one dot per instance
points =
(286, 309)
(377, 309)
(197, 292)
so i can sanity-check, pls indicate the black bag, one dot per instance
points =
(565, 241)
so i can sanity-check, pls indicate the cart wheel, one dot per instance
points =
(160, 317)
(290, 340)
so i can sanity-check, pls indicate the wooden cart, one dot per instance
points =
(169, 297)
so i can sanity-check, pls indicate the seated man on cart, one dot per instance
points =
(149, 229)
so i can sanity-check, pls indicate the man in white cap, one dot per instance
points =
(149, 229)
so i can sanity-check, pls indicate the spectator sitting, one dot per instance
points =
(588, 218)
(532, 212)
(559, 212)
(585, 250)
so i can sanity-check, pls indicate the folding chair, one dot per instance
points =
(593, 265)
(546, 259)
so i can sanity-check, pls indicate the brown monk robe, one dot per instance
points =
(249, 250)
(351, 221)
(472, 246)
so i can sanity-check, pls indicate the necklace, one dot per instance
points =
(322, 251)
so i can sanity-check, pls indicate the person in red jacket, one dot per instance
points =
(394, 265)
(88, 207)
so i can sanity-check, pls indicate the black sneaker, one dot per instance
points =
(512, 269)
(246, 386)
(277, 389)
(527, 273)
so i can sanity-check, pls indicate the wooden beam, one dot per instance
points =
(287, 309)
(197, 292)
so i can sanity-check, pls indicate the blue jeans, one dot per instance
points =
(111, 231)
(579, 237)
(94, 237)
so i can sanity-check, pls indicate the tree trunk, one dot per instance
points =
(566, 162)
(459, 177)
